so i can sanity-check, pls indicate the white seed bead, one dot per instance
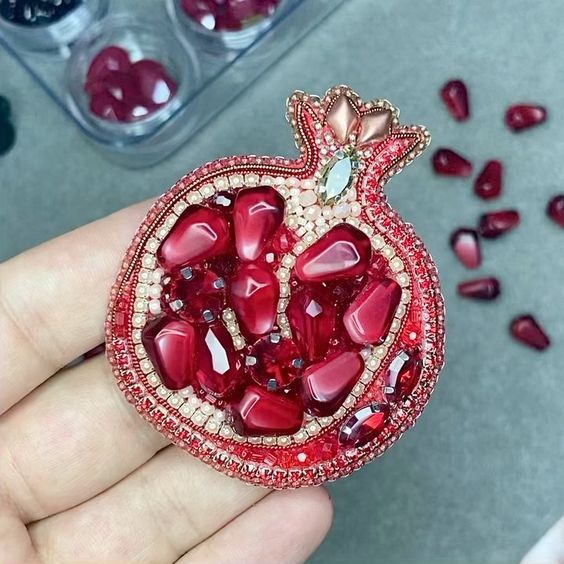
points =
(155, 307)
(342, 210)
(327, 212)
(155, 291)
(308, 184)
(158, 273)
(355, 209)
(308, 198)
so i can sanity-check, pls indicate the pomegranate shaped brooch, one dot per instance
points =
(274, 317)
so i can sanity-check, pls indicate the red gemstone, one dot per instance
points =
(489, 182)
(260, 412)
(343, 252)
(446, 161)
(219, 365)
(480, 289)
(363, 426)
(325, 385)
(257, 215)
(108, 60)
(465, 244)
(274, 362)
(105, 106)
(312, 318)
(455, 96)
(402, 375)
(196, 295)
(523, 116)
(171, 345)
(526, 329)
(555, 209)
(284, 241)
(254, 293)
(368, 318)
(155, 86)
(200, 234)
(494, 224)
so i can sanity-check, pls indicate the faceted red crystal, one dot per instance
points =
(523, 116)
(171, 345)
(196, 295)
(155, 86)
(254, 294)
(257, 215)
(364, 425)
(447, 162)
(465, 244)
(312, 318)
(480, 288)
(494, 224)
(274, 362)
(455, 96)
(105, 106)
(343, 252)
(325, 385)
(489, 182)
(200, 234)
(368, 318)
(219, 365)
(109, 59)
(526, 329)
(263, 413)
(555, 209)
(402, 375)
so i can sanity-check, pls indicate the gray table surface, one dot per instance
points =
(480, 477)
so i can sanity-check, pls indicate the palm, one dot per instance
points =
(82, 477)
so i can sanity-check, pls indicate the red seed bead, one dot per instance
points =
(488, 184)
(449, 163)
(526, 329)
(455, 96)
(466, 247)
(492, 225)
(524, 116)
(480, 289)
(555, 209)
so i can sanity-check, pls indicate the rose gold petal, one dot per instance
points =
(374, 126)
(343, 118)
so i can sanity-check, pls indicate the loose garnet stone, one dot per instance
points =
(200, 234)
(466, 247)
(343, 252)
(364, 425)
(488, 184)
(257, 215)
(312, 317)
(325, 385)
(494, 224)
(261, 412)
(108, 60)
(368, 318)
(274, 362)
(155, 87)
(523, 116)
(526, 329)
(480, 289)
(455, 96)
(402, 375)
(555, 209)
(171, 345)
(447, 162)
(254, 293)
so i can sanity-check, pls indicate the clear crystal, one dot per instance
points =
(337, 176)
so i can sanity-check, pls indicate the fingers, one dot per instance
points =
(550, 548)
(70, 439)
(284, 527)
(170, 504)
(53, 301)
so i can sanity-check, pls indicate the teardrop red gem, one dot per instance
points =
(488, 184)
(343, 252)
(364, 425)
(526, 329)
(524, 116)
(257, 215)
(480, 289)
(555, 209)
(494, 224)
(368, 319)
(466, 247)
(455, 96)
(450, 163)
(325, 385)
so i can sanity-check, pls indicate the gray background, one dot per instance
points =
(480, 477)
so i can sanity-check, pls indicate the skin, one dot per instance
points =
(82, 476)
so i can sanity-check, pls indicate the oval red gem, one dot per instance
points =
(155, 86)
(368, 319)
(402, 375)
(363, 426)
(325, 385)
(200, 234)
(171, 345)
(488, 183)
(343, 252)
(109, 59)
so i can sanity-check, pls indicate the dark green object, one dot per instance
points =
(7, 135)
(5, 108)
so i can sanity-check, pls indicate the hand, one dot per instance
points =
(82, 476)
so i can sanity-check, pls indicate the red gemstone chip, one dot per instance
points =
(524, 116)
(488, 184)
(526, 329)
(555, 209)
(449, 163)
(455, 96)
